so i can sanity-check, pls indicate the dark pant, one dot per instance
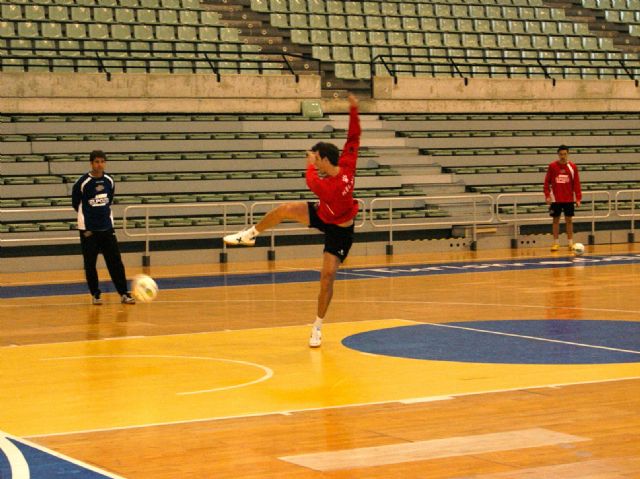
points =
(105, 242)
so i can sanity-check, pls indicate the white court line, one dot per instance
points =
(327, 408)
(353, 301)
(348, 273)
(264, 328)
(3, 441)
(18, 466)
(535, 338)
(268, 372)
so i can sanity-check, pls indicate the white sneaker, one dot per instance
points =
(242, 238)
(127, 299)
(315, 340)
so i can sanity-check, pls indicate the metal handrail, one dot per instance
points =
(518, 219)
(635, 196)
(604, 65)
(224, 206)
(212, 58)
(475, 199)
(633, 214)
(535, 197)
(491, 216)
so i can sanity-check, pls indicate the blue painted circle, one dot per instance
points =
(564, 341)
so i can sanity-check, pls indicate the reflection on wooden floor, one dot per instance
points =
(218, 382)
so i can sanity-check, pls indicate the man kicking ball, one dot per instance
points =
(331, 176)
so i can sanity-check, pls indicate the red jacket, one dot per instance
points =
(563, 181)
(335, 193)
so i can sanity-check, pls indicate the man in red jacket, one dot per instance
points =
(331, 176)
(563, 181)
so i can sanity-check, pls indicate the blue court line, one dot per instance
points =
(306, 276)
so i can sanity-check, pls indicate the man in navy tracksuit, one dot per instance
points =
(91, 197)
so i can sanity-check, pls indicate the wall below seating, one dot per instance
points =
(36, 92)
(490, 95)
(147, 93)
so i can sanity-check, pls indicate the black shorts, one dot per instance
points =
(337, 239)
(558, 208)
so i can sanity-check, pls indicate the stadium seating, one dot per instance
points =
(205, 167)
(357, 40)
(452, 38)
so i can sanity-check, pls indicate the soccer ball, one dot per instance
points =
(578, 248)
(144, 288)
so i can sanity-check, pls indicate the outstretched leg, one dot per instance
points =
(295, 211)
(288, 211)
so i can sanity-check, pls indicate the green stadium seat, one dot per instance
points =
(11, 12)
(28, 30)
(229, 34)
(35, 12)
(55, 226)
(23, 227)
(209, 18)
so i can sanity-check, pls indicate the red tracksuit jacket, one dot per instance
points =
(336, 192)
(563, 181)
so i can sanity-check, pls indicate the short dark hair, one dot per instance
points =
(563, 147)
(97, 154)
(327, 150)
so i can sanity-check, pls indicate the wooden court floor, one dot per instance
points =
(218, 382)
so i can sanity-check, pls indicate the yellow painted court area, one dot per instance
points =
(104, 384)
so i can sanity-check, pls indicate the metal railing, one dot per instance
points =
(137, 60)
(634, 211)
(475, 210)
(514, 200)
(477, 216)
(223, 207)
(506, 62)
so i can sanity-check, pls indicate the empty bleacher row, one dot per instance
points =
(624, 12)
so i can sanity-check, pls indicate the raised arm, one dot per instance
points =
(349, 155)
(354, 119)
